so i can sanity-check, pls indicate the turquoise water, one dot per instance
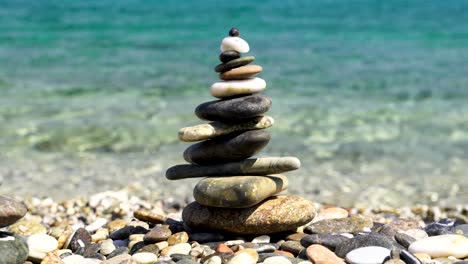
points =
(372, 96)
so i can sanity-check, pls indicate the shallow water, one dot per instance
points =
(371, 96)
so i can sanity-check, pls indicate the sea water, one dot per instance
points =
(372, 96)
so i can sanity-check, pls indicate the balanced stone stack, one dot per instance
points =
(238, 193)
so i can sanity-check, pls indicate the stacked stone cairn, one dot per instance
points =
(13, 248)
(238, 194)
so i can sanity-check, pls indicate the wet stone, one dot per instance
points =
(234, 109)
(327, 240)
(230, 148)
(352, 224)
(238, 191)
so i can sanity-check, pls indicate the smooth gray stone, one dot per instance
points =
(327, 240)
(359, 241)
(13, 249)
(234, 63)
(225, 149)
(238, 191)
(258, 166)
(234, 109)
(216, 128)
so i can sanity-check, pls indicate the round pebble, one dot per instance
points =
(73, 259)
(42, 243)
(234, 32)
(235, 43)
(368, 255)
(145, 257)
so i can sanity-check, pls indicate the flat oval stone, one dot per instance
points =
(241, 72)
(353, 224)
(13, 249)
(328, 240)
(10, 211)
(224, 89)
(275, 214)
(228, 55)
(368, 255)
(234, 109)
(234, 63)
(277, 260)
(321, 254)
(234, 43)
(442, 246)
(367, 240)
(258, 166)
(144, 257)
(157, 234)
(230, 148)
(238, 191)
(216, 128)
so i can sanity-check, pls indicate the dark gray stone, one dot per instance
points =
(234, 63)
(327, 240)
(371, 239)
(230, 148)
(409, 258)
(294, 247)
(118, 251)
(228, 55)
(178, 257)
(203, 237)
(234, 109)
(13, 249)
(441, 227)
(81, 239)
(157, 234)
(404, 239)
(136, 247)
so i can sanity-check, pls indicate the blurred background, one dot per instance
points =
(372, 96)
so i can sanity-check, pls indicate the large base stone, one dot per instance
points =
(276, 214)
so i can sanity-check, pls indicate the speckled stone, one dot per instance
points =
(13, 249)
(352, 224)
(10, 211)
(216, 128)
(238, 191)
(276, 214)
(27, 227)
(230, 148)
(442, 246)
(234, 109)
(399, 224)
(241, 72)
(258, 166)
(234, 63)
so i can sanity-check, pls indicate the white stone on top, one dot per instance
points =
(234, 43)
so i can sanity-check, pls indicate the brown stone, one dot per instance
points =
(331, 213)
(321, 255)
(241, 72)
(276, 214)
(148, 216)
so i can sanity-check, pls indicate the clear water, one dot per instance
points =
(372, 96)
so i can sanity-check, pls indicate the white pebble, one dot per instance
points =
(442, 246)
(213, 260)
(100, 222)
(144, 257)
(107, 246)
(182, 248)
(42, 243)
(261, 239)
(276, 260)
(73, 259)
(235, 43)
(229, 88)
(367, 255)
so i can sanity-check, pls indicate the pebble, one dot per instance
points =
(116, 224)
(321, 254)
(328, 240)
(80, 239)
(213, 260)
(97, 224)
(442, 246)
(73, 259)
(292, 246)
(40, 244)
(353, 224)
(13, 249)
(27, 227)
(399, 224)
(261, 239)
(224, 89)
(245, 256)
(364, 240)
(423, 257)
(242, 72)
(10, 211)
(119, 259)
(331, 213)
(223, 248)
(234, 32)
(230, 148)
(277, 260)
(441, 227)
(235, 63)
(238, 191)
(234, 43)
(461, 230)
(182, 248)
(157, 234)
(216, 128)
(228, 55)
(405, 238)
(264, 218)
(367, 255)
(107, 246)
(240, 109)
(177, 238)
(145, 257)
(151, 217)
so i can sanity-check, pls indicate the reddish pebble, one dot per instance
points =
(319, 254)
(284, 253)
(222, 248)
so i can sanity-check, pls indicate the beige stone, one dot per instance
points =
(241, 72)
(319, 254)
